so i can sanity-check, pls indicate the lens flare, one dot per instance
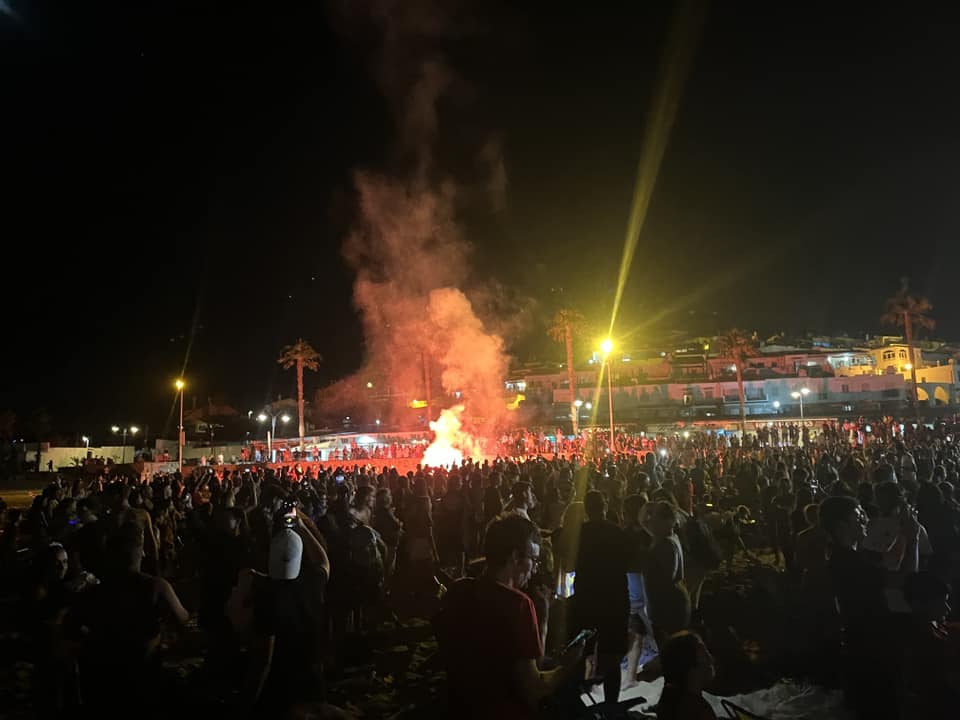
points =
(679, 53)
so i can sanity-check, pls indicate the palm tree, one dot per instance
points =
(300, 355)
(738, 346)
(909, 311)
(566, 323)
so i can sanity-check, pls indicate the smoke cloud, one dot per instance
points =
(423, 334)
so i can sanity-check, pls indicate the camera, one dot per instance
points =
(288, 512)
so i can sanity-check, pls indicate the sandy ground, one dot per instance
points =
(19, 498)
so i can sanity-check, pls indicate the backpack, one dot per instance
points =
(363, 549)
(365, 572)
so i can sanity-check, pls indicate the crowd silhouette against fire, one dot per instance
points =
(283, 568)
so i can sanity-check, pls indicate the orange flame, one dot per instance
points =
(451, 442)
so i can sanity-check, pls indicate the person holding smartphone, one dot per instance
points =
(487, 629)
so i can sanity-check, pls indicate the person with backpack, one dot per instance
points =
(365, 571)
(703, 553)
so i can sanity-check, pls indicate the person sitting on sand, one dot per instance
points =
(687, 670)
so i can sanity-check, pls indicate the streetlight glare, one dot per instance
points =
(261, 417)
(908, 366)
(578, 403)
(134, 429)
(180, 384)
(607, 346)
(795, 395)
(776, 404)
(285, 418)
(369, 384)
(115, 428)
(805, 391)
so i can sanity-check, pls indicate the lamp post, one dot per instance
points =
(263, 417)
(607, 347)
(86, 442)
(180, 385)
(133, 430)
(800, 395)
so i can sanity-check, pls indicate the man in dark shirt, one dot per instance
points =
(488, 632)
(858, 580)
(601, 599)
(687, 670)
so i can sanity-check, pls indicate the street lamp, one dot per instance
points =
(271, 433)
(180, 385)
(607, 347)
(133, 430)
(800, 395)
(86, 442)
(776, 405)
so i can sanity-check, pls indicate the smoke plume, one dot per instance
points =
(424, 336)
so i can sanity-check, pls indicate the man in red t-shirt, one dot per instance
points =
(488, 632)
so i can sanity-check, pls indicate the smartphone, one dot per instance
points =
(582, 636)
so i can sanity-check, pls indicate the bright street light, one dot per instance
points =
(180, 385)
(369, 385)
(272, 432)
(578, 403)
(799, 395)
(133, 430)
(607, 347)
(776, 404)
(86, 441)
(908, 367)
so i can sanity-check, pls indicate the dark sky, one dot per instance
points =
(177, 177)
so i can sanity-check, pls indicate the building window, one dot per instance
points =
(708, 393)
(889, 355)
(844, 388)
(903, 354)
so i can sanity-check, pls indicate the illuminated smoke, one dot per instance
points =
(412, 287)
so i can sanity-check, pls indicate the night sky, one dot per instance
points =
(177, 178)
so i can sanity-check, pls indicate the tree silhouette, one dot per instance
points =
(909, 312)
(738, 346)
(566, 324)
(300, 355)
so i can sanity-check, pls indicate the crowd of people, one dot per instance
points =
(284, 568)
